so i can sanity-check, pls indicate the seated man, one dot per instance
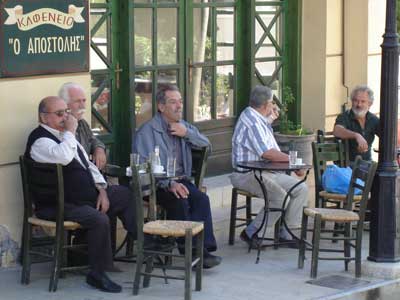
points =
(358, 125)
(74, 95)
(88, 200)
(253, 139)
(181, 199)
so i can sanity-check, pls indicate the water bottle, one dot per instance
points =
(156, 161)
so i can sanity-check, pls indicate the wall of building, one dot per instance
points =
(20, 98)
(341, 48)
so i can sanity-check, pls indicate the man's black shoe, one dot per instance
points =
(251, 242)
(210, 261)
(102, 282)
(292, 244)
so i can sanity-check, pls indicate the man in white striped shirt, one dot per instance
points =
(253, 139)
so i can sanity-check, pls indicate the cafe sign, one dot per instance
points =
(43, 37)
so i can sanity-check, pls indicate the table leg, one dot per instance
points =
(283, 219)
(266, 210)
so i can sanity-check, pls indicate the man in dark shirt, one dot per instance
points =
(358, 125)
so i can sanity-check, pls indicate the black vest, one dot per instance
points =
(79, 186)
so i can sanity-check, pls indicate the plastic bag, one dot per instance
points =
(337, 180)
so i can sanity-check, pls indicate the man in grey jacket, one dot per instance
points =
(175, 137)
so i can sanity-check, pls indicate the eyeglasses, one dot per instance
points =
(59, 113)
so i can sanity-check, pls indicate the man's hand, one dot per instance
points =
(71, 124)
(299, 172)
(177, 129)
(362, 143)
(103, 204)
(179, 190)
(99, 157)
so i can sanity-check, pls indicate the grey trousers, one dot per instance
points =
(277, 184)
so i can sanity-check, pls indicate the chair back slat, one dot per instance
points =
(143, 186)
(42, 181)
(325, 153)
(199, 165)
(328, 137)
(363, 171)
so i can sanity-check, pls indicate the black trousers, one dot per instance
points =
(196, 207)
(97, 223)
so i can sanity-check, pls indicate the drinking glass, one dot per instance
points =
(135, 159)
(171, 164)
(292, 158)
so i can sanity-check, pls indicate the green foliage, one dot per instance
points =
(398, 15)
(285, 125)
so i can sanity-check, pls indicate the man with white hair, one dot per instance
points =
(74, 95)
(357, 124)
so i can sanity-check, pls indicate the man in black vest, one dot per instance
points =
(88, 200)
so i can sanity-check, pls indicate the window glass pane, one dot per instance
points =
(225, 1)
(99, 39)
(143, 41)
(272, 18)
(102, 104)
(201, 91)
(143, 97)
(143, 1)
(270, 76)
(225, 93)
(225, 34)
(166, 34)
(167, 77)
(201, 35)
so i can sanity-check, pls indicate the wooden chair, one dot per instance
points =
(235, 220)
(199, 166)
(326, 153)
(364, 171)
(143, 185)
(46, 180)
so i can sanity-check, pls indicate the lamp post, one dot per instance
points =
(385, 198)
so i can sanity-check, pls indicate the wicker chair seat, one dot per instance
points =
(338, 197)
(171, 228)
(332, 214)
(68, 225)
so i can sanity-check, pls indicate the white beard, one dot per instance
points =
(359, 113)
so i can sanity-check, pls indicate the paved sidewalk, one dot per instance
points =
(238, 277)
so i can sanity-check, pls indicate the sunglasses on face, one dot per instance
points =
(59, 113)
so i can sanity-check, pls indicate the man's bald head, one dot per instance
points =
(45, 102)
(53, 112)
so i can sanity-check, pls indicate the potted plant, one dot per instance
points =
(292, 134)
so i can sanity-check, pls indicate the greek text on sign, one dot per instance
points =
(48, 16)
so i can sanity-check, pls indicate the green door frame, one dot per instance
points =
(291, 51)
(122, 46)
(122, 126)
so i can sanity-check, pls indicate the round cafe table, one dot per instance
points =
(257, 167)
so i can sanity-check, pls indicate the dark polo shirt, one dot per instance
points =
(348, 121)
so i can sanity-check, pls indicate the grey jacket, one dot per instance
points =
(152, 133)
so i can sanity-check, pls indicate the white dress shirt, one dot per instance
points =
(45, 150)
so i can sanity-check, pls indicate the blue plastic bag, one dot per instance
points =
(337, 180)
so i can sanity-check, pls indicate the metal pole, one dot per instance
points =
(385, 210)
